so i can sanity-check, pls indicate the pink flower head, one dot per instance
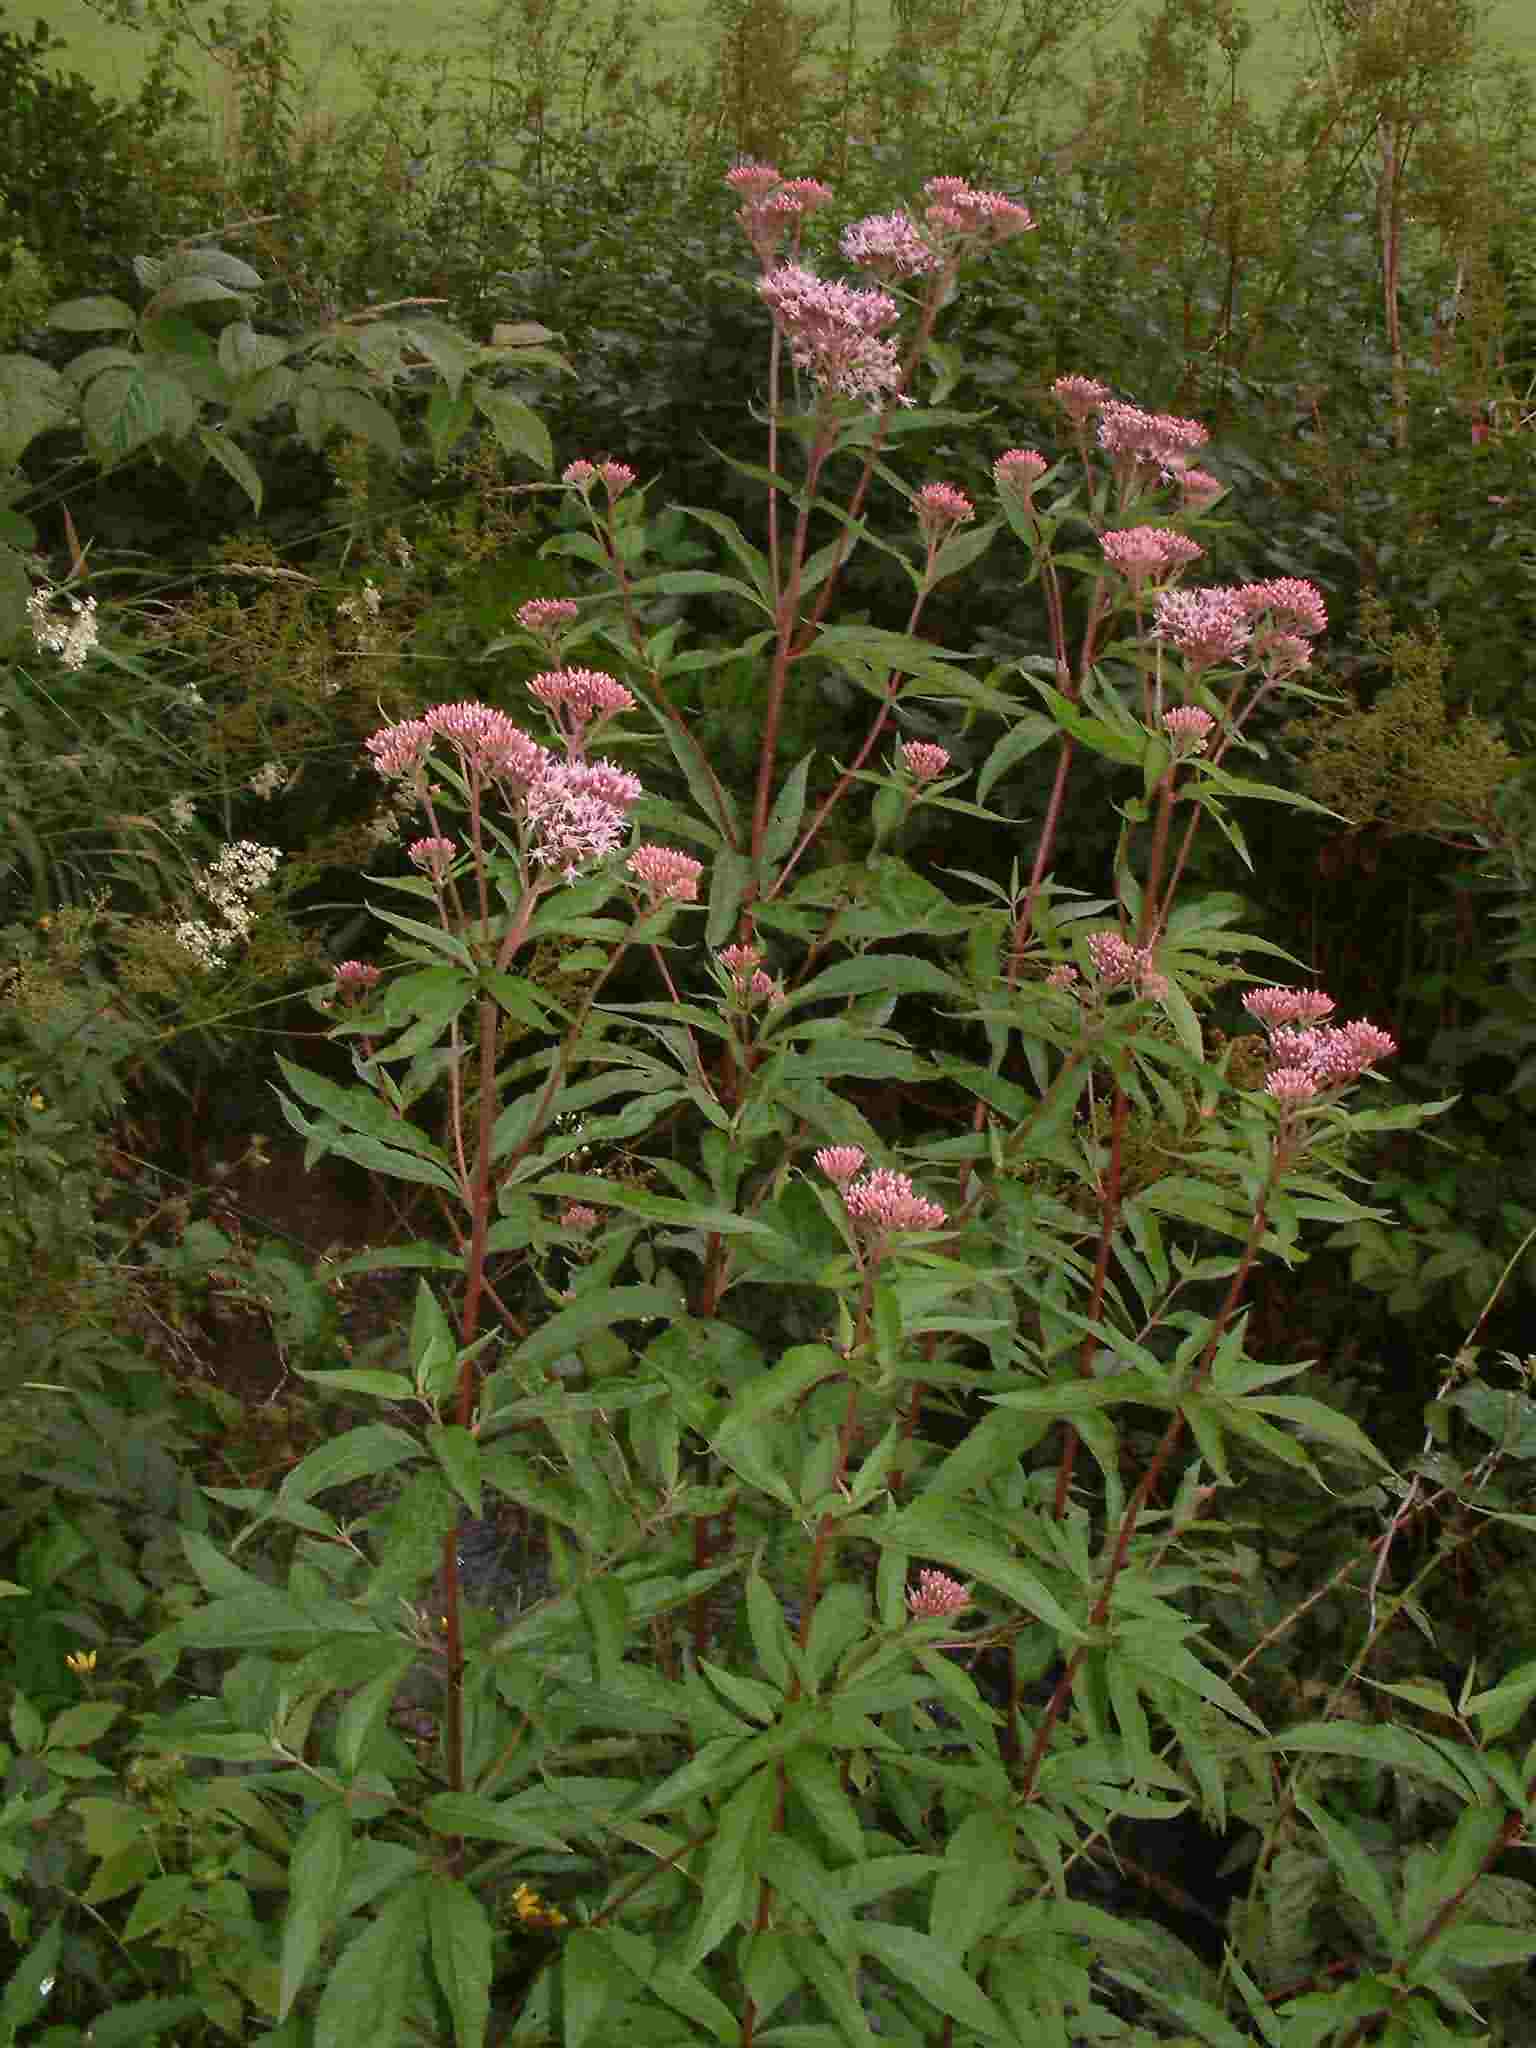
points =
(1206, 626)
(488, 743)
(957, 210)
(1291, 1086)
(1294, 605)
(1189, 728)
(754, 181)
(884, 1201)
(1275, 1006)
(577, 1216)
(354, 979)
(941, 508)
(1147, 445)
(739, 961)
(670, 877)
(936, 1596)
(923, 760)
(1141, 553)
(545, 616)
(399, 750)
(1200, 488)
(839, 1162)
(604, 780)
(1348, 1049)
(834, 331)
(1064, 977)
(804, 195)
(575, 695)
(576, 813)
(1292, 1046)
(579, 474)
(618, 476)
(1116, 960)
(1019, 469)
(433, 856)
(890, 244)
(1080, 397)
(1283, 655)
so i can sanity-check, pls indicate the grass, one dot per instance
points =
(326, 31)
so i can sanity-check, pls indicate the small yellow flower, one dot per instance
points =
(45, 924)
(534, 1911)
(35, 1101)
(81, 1662)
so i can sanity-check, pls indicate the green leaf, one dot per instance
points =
(591, 1980)
(362, 1453)
(315, 1872)
(751, 559)
(787, 812)
(815, 1778)
(1022, 739)
(33, 399)
(91, 316)
(124, 410)
(488, 1820)
(946, 1534)
(517, 427)
(232, 458)
(364, 2001)
(1321, 1420)
(975, 1885)
(185, 291)
(448, 352)
(566, 1331)
(77, 1727)
(1396, 1749)
(918, 1960)
(461, 1940)
(144, 2019)
(459, 1455)
(740, 1833)
(381, 1386)
(25, 1994)
(807, 1883)
(1362, 1880)
(877, 973)
(26, 1725)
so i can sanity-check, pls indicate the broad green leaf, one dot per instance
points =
(381, 1386)
(461, 1939)
(566, 1331)
(517, 427)
(1321, 1420)
(804, 1880)
(816, 1779)
(314, 1889)
(741, 1830)
(78, 1727)
(91, 316)
(187, 291)
(1362, 1879)
(244, 353)
(878, 974)
(459, 1455)
(26, 1993)
(488, 1820)
(1396, 1749)
(975, 1885)
(787, 812)
(450, 354)
(123, 410)
(931, 1970)
(144, 2019)
(1022, 739)
(362, 1453)
(234, 461)
(364, 2001)
(364, 1713)
(592, 1978)
(944, 1533)
(33, 399)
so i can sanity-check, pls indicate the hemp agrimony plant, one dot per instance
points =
(804, 1709)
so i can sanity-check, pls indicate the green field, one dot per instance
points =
(112, 57)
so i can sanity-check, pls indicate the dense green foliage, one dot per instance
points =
(630, 1578)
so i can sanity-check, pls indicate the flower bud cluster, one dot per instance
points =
(1308, 1056)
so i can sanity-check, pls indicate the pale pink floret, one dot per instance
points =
(1144, 552)
(618, 476)
(546, 615)
(1294, 605)
(1283, 655)
(1142, 441)
(579, 473)
(577, 1216)
(1206, 626)
(1080, 397)
(923, 760)
(936, 1595)
(1019, 469)
(1064, 976)
(576, 695)
(957, 209)
(839, 1162)
(433, 856)
(885, 1200)
(834, 331)
(671, 877)
(355, 978)
(940, 507)
(1291, 1085)
(399, 750)
(890, 244)
(1189, 728)
(1200, 488)
(1115, 959)
(604, 780)
(1274, 1006)
(740, 961)
(754, 181)
(1331, 1055)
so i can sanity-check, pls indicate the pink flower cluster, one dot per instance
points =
(1147, 445)
(1143, 553)
(753, 984)
(936, 1596)
(1019, 469)
(1080, 397)
(433, 856)
(1288, 612)
(1307, 1055)
(545, 616)
(839, 1163)
(1206, 626)
(577, 813)
(669, 876)
(771, 202)
(618, 476)
(959, 212)
(890, 244)
(884, 1200)
(1116, 960)
(1189, 728)
(923, 760)
(577, 1216)
(355, 978)
(834, 331)
(576, 695)
(941, 508)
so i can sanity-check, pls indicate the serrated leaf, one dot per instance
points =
(517, 427)
(315, 1873)
(460, 1935)
(918, 1960)
(364, 2000)
(363, 1453)
(234, 461)
(33, 399)
(975, 1885)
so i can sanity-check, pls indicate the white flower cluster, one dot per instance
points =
(71, 639)
(238, 873)
(266, 782)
